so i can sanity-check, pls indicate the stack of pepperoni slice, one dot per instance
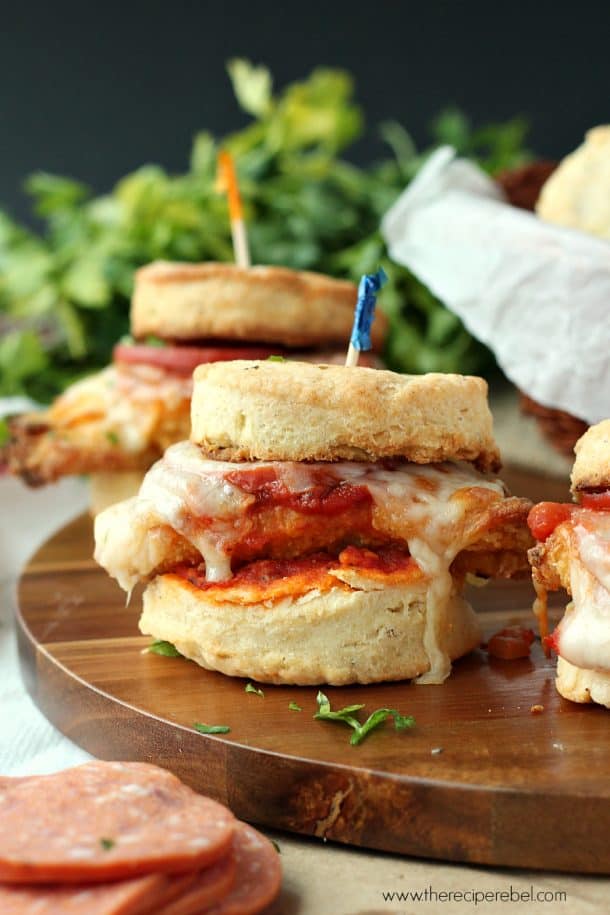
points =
(127, 839)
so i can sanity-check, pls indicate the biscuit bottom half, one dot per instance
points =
(580, 685)
(337, 637)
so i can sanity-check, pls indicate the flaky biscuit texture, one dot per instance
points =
(338, 637)
(591, 468)
(288, 411)
(577, 194)
(256, 304)
(581, 685)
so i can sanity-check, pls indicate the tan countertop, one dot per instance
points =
(329, 879)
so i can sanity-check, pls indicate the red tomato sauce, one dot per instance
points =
(546, 516)
(552, 641)
(511, 643)
(599, 501)
(263, 572)
(260, 572)
(327, 495)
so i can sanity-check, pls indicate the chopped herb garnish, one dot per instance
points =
(164, 648)
(151, 340)
(294, 707)
(112, 437)
(325, 713)
(276, 359)
(346, 715)
(211, 728)
(107, 844)
(4, 433)
(276, 846)
(401, 723)
(251, 688)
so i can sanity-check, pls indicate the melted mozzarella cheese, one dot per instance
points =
(192, 496)
(585, 629)
(127, 401)
(131, 540)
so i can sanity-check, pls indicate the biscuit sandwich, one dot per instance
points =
(116, 423)
(573, 553)
(320, 524)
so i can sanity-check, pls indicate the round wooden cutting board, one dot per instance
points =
(479, 779)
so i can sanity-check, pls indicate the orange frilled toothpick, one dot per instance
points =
(227, 182)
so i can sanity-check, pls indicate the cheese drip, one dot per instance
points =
(418, 504)
(584, 632)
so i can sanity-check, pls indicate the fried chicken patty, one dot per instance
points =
(192, 510)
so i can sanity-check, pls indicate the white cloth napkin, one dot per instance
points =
(28, 743)
(536, 293)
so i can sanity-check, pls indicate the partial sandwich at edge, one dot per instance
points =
(320, 524)
(573, 553)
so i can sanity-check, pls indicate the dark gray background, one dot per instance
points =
(93, 91)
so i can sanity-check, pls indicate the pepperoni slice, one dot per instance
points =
(138, 896)
(127, 897)
(184, 359)
(259, 875)
(209, 887)
(106, 821)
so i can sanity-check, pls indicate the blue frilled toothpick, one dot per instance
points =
(369, 286)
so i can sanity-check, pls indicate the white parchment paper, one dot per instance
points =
(536, 294)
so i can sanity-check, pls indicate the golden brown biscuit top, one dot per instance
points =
(263, 304)
(293, 411)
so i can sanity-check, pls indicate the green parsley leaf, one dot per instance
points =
(151, 340)
(276, 359)
(107, 844)
(401, 723)
(252, 86)
(4, 433)
(294, 707)
(211, 728)
(250, 688)
(325, 713)
(164, 648)
(112, 437)
(345, 715)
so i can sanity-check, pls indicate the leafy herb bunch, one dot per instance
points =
(64, 294)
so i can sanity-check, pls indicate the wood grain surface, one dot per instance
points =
(503, 786)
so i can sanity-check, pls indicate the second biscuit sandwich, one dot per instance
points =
(573, 552)
(320, 524)
(114, 424)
